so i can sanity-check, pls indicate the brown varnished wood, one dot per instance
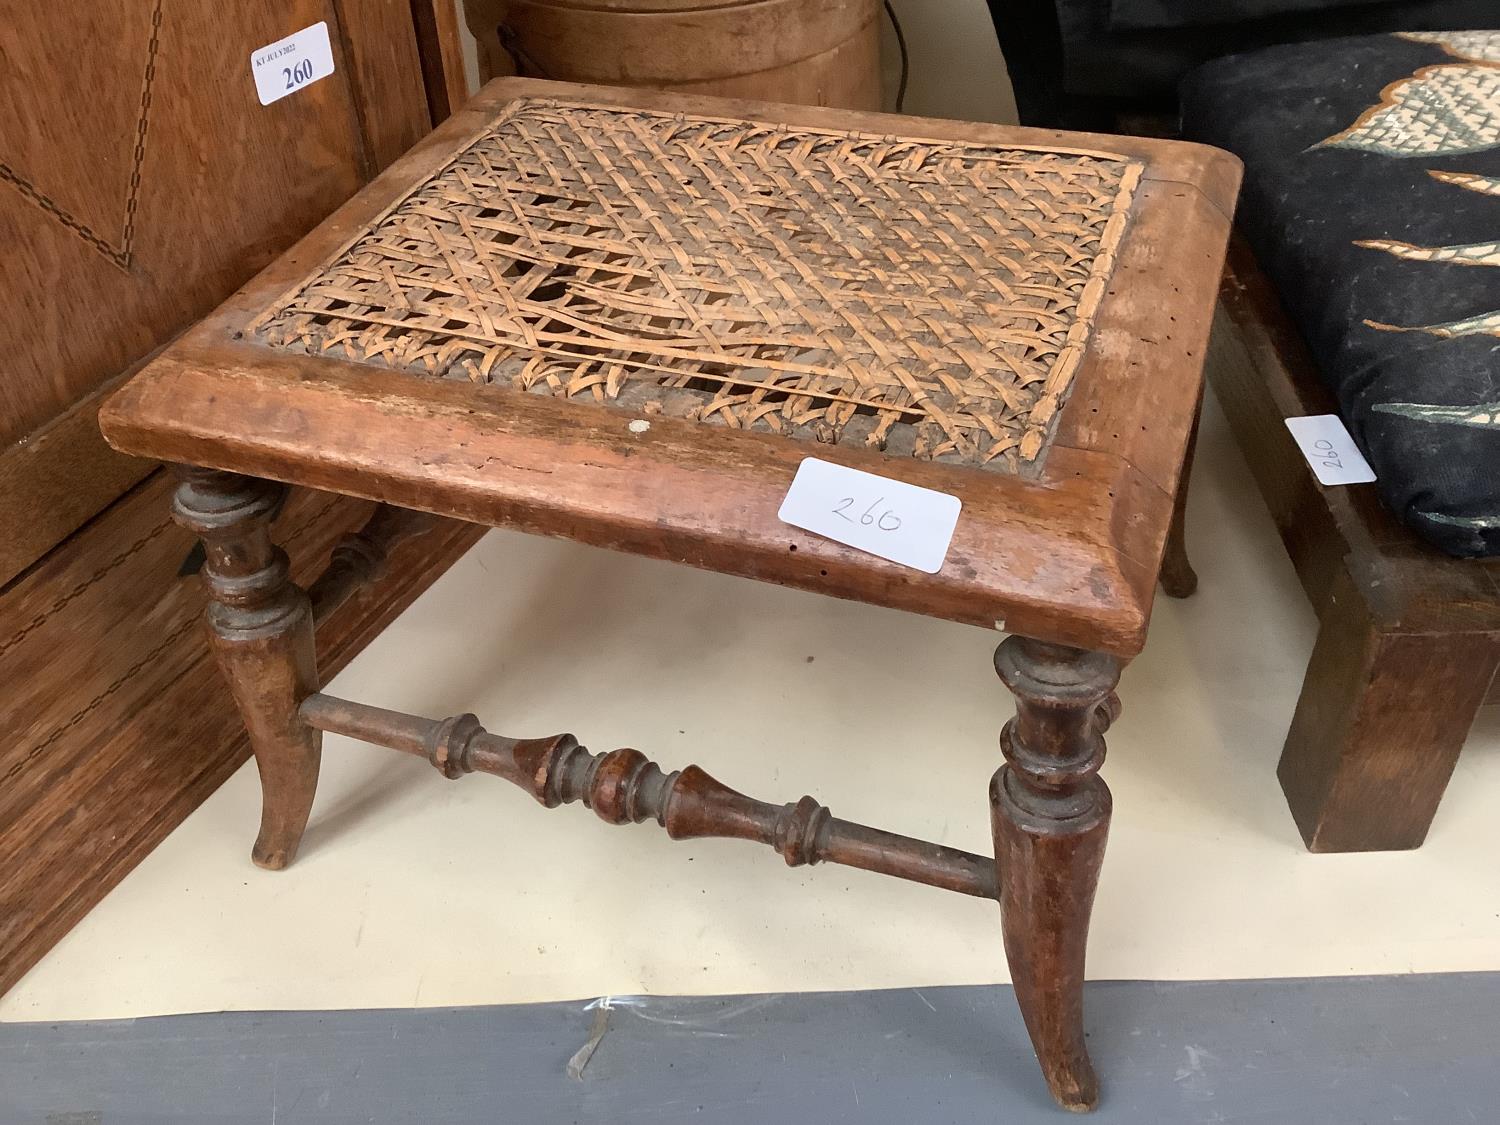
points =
(624, 787)
(98, 766)
(261, 630)
(377, 43)
(1072, 553)
(1050, 814)
(106, 213)
(1406, 650)
(1040, 557)
(1066, 551)
(192, 238)
(125, 214)
(811, 52)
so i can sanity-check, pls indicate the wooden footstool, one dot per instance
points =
(628, 319)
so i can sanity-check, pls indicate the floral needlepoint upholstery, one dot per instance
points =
(1372, 198)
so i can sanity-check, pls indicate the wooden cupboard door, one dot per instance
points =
(141, 180)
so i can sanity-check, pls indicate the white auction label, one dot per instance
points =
(289, 64)
(1325, 442)
(890, 518)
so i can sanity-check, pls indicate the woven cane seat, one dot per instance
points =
(930, 299)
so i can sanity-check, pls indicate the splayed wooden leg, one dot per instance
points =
(1178, 578)
(1050, 815)
(261, 629)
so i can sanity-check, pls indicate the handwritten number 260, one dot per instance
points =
(886, 521)
(1329, 452)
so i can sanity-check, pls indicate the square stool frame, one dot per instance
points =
(433, 348)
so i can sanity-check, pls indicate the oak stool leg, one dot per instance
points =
(1049, 812)
(261, 630)
(1178, 579)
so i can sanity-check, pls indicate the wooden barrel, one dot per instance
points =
(815, 52)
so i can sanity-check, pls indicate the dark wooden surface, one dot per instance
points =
(1071, 555)
(1178, 579)
(260, 628)
(116, 724)
(1410, 638)
(1379, 725)
(625, 787)
(440, 47)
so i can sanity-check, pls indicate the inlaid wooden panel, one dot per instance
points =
(134, 200)
(141, 181)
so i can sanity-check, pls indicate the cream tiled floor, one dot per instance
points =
(412, 890)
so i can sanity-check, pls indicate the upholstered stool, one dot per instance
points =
(1366, 285)
(629, 319)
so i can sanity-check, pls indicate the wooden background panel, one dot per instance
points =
(69, 148)
(140, 182)
(91, 780)
(53, 481)
(133, 202)
(138, 198)
(384, 70)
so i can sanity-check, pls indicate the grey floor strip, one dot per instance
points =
(1411, 1049)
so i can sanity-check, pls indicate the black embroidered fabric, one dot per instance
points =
(1372, 199)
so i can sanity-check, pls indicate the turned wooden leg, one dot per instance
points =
(260, 626)
(1050, 815)
(361, 557)
(1178, 579)
(1379, 725)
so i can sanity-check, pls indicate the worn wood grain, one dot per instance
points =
(135, 242)
(389, 110)
(260, 627)
(1050, 813)
(625, 787)
(441, 52)
(125, 214)
(115, 239)
(1379, 725)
